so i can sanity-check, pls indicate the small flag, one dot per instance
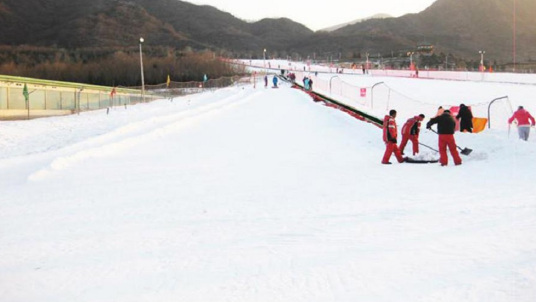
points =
(168, 81)
(26, 93)
(363, 92)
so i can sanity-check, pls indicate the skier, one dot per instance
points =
(389, 137)
(446, 125)
(410, 131)
(275, 81)
(524, 121)
(311, 84)
(265, 81)
(466, 119)
(306, 83)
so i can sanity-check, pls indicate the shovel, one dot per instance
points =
(428, 147)
(464, 151)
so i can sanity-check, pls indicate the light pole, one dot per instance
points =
(514, 36)
(481, 52)
(142, 79)
(264, 60)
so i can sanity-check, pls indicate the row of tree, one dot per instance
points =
(111, 67)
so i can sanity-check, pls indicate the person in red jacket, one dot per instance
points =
(524, 121)
(446, 125)
(389, 137)
(410, 131)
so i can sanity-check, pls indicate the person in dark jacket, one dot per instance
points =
(389, 137)
(446, 125)
(466, 119)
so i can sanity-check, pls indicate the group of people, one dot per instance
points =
(274, 81)
(446, 126)
(308, 83)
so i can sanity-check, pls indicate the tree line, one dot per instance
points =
(111, 67)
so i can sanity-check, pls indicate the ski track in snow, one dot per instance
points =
(126, 137)
(276, 199)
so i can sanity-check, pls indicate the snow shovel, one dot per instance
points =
(429, 147)
(464, 151)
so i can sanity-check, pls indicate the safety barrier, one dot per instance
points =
(376, 98)
(49, 98)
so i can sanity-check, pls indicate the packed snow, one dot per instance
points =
(260, 194)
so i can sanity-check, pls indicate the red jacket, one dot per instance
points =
(412, 126)
(523, 118)
(389, 129)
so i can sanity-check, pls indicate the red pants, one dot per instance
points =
(414, 141)
(447, 140)
(389, 149)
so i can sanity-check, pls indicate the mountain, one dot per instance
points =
(459, 27)
(339, 26)
(120, 23)
(454, 26)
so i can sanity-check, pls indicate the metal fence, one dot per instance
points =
(48, 98)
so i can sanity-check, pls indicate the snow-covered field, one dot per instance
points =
(254, 195)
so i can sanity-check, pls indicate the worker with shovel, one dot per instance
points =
(446, 125)
(410, 132)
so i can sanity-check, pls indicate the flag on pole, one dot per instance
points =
(26, 93)
(168, 81)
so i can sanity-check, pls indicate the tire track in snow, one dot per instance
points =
(124, 138)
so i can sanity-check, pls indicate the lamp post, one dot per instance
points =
(481, 52)
(264, 60)
(514, 36)
(142, 79)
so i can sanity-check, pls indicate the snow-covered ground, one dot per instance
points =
(254, 195)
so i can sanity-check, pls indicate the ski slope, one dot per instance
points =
(255, 195)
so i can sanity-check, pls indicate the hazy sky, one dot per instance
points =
(316, 14)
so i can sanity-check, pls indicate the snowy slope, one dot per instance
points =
(257, 195)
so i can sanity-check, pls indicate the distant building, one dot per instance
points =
(425, 49)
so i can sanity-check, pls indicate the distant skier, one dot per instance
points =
(446, 125)
(466, 119)
(389, 137)
(274, 80)
(306, 83)
(311, 84)
(410, 131)
(265, 81)
(524, 121)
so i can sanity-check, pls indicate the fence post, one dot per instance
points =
(372, 94)
(330, 83)
(489, 109)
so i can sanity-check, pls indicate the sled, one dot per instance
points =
(420, 161)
